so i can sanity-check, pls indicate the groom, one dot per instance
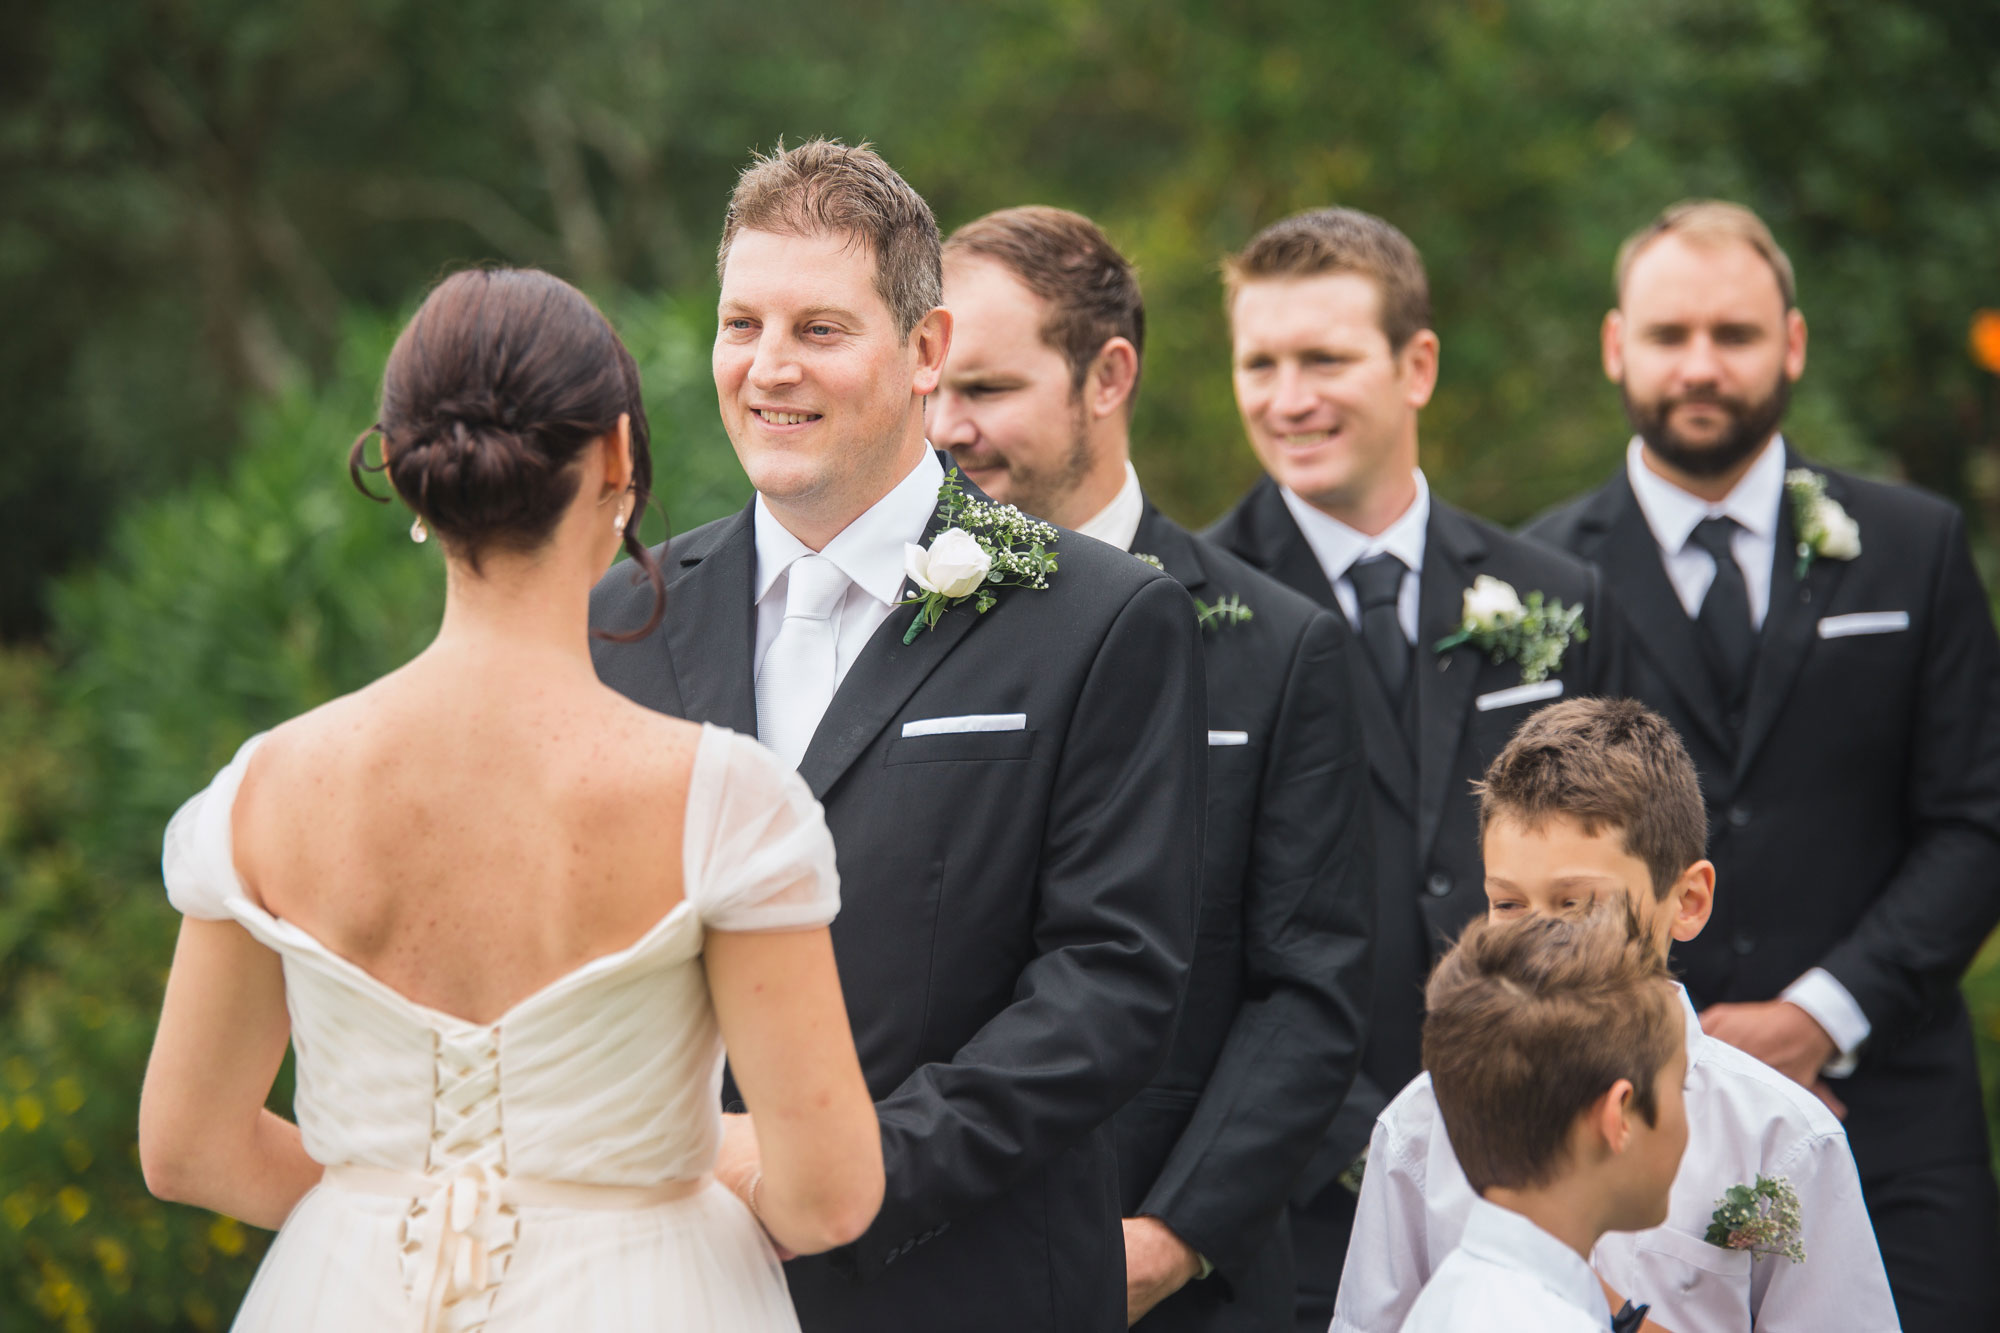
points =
(1015, 795)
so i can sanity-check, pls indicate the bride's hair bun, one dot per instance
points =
(493, 390)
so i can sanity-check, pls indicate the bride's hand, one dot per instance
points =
(740, 1167)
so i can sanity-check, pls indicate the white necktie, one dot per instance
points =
(800, 668)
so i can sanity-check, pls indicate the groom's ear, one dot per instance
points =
(932, 339)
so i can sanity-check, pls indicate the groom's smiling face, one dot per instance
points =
(818, 389)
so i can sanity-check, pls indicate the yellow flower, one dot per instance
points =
(73, 1203)
(226, 1235)
(28, 1110)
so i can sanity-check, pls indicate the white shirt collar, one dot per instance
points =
(1337, 546)
(870, 549)
(1118, 522)
(1673, 514)
(1511, 1241)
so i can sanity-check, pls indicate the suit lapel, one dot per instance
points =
(1446, 683)
(1788, 627)
(1170, 544)
(1629, 555)
(882, 679)
(711, 628)
(1284, 552)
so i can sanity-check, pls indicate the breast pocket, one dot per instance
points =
(960, 745)
(1688, 1282)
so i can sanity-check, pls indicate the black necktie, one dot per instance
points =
(1378, 587)
(1727, 636)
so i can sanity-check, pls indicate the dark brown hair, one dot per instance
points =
(1606, 763)
(1708, 221)
(1063, 257)
(1531, 1021)
(1341, 240)
(825, 188)
(492, 391)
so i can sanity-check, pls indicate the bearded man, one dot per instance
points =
(1826, 650)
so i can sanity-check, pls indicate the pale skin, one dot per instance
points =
(1709, 318)
(1009, 412)
(822, 395)
(469, 829)
(1556, 867)
(1328, 405)
(823, 399)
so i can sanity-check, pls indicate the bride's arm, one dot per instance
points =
(204, 1135)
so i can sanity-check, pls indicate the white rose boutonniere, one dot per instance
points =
(1507, 627)
(1824, 527)
(984, 547)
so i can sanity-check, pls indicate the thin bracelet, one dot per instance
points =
(750, 1198)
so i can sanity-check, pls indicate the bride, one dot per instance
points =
(509, 920)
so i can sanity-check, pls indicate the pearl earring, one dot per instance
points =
(418, 533)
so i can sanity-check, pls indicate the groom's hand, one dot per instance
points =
(738, 1161)
(1157, 1264)
(1777, 1032)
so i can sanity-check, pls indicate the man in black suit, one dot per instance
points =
(1334, 357)
(1015, 795)
(1832, 666)
(1035, 406)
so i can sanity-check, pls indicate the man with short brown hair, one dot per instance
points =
(1014, 784)
(1824, 646)
(1334, 358)
(1035, 404)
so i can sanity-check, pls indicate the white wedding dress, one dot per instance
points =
(548, 1170)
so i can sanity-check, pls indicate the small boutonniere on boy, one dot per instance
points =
(1762, 1218)
(984, 547)
(1824, 528)
(1532, 632)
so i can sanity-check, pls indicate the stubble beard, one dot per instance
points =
(1752, 423)
(1043, 493)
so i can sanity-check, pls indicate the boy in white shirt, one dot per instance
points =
(1556, 1049)
(1596, 798)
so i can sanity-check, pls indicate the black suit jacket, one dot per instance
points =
(1270, 1035)
(1430, 876)
(1854, 806)
(1017, 909)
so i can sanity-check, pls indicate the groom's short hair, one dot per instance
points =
(1708, 221)
(1067, 260)
(1528, 1022)
(824, 187)
(1340, 240)
(1608, 764)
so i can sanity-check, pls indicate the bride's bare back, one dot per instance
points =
(465, 835)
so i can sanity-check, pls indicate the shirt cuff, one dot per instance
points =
(1830, 1005)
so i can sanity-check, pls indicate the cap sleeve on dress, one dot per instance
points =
(197, 858)
(759, 856)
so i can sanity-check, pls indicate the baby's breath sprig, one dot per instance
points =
(1532, 632)
(1229, 611)
(1762, 1218)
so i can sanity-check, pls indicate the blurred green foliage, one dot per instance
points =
(209, 208)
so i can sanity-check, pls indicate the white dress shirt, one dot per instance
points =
(869, 551)
(1118, 522)
(1509, 1276)
(1338, 547)
(1753, 502)
(1744, 1119)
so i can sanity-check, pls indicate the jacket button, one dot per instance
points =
(1743, 944)
(1739, 816)
(1438, 885)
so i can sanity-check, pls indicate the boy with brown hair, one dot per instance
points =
(1593, 799)
(1556, 1054)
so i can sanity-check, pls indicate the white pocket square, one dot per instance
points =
(1228, 738)
(1864, 622)
(1519, 694)
(943, 726)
